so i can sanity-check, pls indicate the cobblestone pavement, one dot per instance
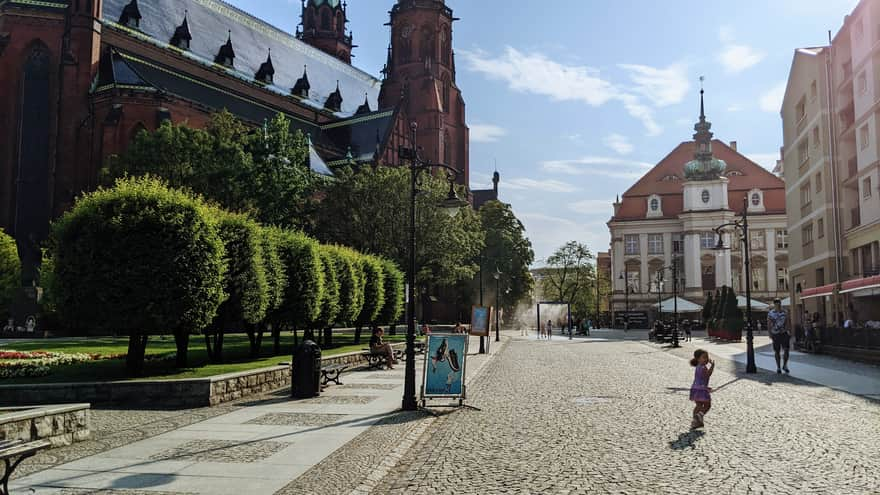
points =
(613, 417)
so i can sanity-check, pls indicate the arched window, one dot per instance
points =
(325, 19)
(135, 130)
(445, 92)
(427, 48)
(444, 46)
(310, 20)
(340, 25)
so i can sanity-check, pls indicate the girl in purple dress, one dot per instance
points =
(700, 391)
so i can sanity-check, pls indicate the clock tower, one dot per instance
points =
(419, 76)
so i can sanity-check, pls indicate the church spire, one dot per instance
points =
(704, 166)
(323, 25)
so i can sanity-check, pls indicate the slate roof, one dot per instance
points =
(742, 173)
(210, 21)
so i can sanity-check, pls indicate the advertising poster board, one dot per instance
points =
(481, 320)
(445, 358)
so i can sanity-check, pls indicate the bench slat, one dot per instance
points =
(23, 448)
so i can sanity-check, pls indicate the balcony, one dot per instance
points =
(806, 209)
(847, 118)
(855, 217)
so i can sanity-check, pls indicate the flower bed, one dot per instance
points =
(17, 364)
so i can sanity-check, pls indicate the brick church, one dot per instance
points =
(80, 78)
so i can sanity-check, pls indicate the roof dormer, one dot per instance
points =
(655, 206)
(756, 201)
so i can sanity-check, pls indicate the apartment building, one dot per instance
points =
(831, 164)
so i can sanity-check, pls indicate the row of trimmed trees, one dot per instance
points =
(722, 315)
(144, 259)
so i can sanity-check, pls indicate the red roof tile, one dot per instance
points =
(634, 204)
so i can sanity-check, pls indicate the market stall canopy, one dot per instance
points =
(825, 290)
(756, 305)
(684, 306)
(862, 287)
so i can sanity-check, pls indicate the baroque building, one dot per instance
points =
(80, 78)
(669, 215)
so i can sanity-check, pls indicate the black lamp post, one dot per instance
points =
(743, 226)
(497, 276)
(452, 204)
(674, 268)
(482, 339)
(625, 277)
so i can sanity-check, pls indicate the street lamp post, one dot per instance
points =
(497, 276)
(452, 204)
(674, 268)
(625, 277)
(743, 226)
(482, 339)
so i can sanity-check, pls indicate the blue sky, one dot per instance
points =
(575, 99)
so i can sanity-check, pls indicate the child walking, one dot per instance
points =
(700, 391)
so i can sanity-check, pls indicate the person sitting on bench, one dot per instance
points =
(377, 346)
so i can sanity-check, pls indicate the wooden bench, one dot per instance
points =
(331, 372)
(375, 360)
(13, 452)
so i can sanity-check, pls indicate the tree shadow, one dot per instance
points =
(686, 440)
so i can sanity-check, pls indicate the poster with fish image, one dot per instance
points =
(445, 366)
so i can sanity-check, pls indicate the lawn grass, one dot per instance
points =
(236, 353)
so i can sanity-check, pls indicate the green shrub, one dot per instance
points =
(276, 284)
(374, 289)
(394, 293)
(305, 283)
(10, 273)
(351, 283)
(330, 300)
(141, 259)
(247, 293)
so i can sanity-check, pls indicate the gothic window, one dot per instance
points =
(325, 19)
(427, 48)
(310, 20)
(340, 25)
(135, 131)
(447, 153)
(445, 90)
(444, 46)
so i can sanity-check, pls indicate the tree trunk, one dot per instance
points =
(255, 336)
(319, 338)
(328, 337)
(357, 334)
(218, 346)
(208, 348)
(134, 360)
(276, 341)
(181, 339)
(295, 338)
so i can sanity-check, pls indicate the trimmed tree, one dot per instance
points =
(245, 281)
(276, 284)
(351, 284)
(374, 293)
(10, 272)
(305, 284)
(394, 293)
(330, 296)
(141, 259)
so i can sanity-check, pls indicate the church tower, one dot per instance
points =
(420, 76)
(323, 26)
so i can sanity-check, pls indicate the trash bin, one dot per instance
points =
(306, 379)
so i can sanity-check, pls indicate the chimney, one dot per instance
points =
(733, 145)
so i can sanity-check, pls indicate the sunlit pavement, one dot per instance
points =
(610, 414)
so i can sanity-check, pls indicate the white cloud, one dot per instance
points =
(593, 207)
(486, 133)
(736, 57)
(535, 73)
(480, 180)
(618, 143)
(548, 233)
(771, 101)
(662, 87)
(615, 168)
(545, 185)
(766, 160)
(734, 108)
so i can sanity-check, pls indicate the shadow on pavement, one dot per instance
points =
(686, 440)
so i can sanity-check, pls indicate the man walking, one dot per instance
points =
(778, 328)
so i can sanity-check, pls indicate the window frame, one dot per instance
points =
(713, 239)
(652, 243)
(626, 244)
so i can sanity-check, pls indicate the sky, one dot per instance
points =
(574, 100)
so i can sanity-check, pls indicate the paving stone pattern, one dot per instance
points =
(368, 386)
(341, 399)
(613, 417)
(113, 491)
(113, 428)
(229, 451)
(297, 419)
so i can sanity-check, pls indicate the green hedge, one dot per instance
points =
(394, 294)
(140, 259)
(247, 292)
(374, 289)
(10, 274)
(349, 273)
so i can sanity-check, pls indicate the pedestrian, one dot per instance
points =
(687, 330)
(777, 326)
(700, 390)
(549, 329)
